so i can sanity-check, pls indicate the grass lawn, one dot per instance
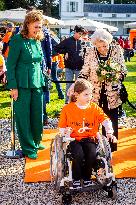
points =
(130, 84)
(53, 108)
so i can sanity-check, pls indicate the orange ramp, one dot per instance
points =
(124, 160)
(39, 170)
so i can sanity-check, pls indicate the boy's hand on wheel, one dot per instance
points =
(111, 137)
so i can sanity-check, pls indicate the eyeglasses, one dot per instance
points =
(40, 27)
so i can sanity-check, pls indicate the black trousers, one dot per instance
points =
(84, 158)
(112, 114)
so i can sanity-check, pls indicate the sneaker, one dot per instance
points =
(87, 183)
(41, 147)
(77, 184)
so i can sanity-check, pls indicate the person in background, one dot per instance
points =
(46, 67)
(107, 84)
(26, 81)
(55, 62)
(81, 118)
(127, 48)
(61, 67)
(71, 48)
(2, 67)
(121, 111)
(6, 39)
(121, 42)
(134, 43)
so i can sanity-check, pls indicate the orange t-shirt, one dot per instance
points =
(55, 58)
(6, 39)
(61, 61)
(84, 122)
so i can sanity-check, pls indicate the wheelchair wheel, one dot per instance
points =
(107, 148)
(103, 163)
(112, 193)
(56, 161)
(67, 199)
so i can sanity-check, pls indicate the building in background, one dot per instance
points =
(112, 14)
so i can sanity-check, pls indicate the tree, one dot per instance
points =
(2, 5)
(55, 11)
(47, 6)
(12, 4)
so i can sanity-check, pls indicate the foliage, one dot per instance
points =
(12, 4)
(130, 84)
(4, 104)
(55, 11)
(49, 7)
(108, 71)
(55, 105)
(2, 5)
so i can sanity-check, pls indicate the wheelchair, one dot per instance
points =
(61, 168)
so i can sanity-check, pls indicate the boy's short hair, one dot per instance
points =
(10, 25)
(79, 29)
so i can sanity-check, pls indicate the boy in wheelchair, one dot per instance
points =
(81, 119)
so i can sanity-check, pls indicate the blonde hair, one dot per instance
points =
(101, 35)
(80, 86)
(31, 17)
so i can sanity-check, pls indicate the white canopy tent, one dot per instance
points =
(18, 15)
(89, 24)
(130, 25)
(14, 15)
(53, 22)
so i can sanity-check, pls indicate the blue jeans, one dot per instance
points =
(54, 77)
(127, 55)
(70, 75)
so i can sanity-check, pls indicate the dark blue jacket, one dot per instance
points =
(47, 48)
(73, 48)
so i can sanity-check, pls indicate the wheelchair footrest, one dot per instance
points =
(86, 189)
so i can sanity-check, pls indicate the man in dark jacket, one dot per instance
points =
(46, 67)
(71, 48)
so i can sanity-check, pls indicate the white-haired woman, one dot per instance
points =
(104, 67)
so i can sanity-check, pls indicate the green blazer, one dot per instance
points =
(24, 63)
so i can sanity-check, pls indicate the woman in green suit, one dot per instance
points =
(25, 80)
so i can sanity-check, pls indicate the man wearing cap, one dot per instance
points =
(6, 39)
(71, 47)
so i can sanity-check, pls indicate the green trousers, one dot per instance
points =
(28, 111)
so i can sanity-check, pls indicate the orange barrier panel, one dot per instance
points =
(124, 160)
